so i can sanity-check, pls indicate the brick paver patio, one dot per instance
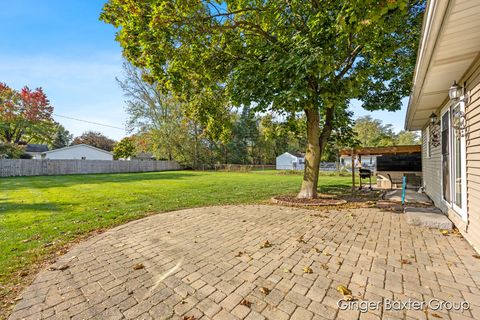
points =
(208, 263)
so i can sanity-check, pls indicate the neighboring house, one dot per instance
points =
(449, 115)
(78, 151)
(35, 150)
(290, 161)
(368, 162)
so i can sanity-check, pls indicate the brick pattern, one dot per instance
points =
(207, 263)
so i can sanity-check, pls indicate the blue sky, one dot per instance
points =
(62, 47)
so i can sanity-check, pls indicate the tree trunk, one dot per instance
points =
(312, 156)
(327, 129)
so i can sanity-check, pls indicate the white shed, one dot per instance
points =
(78, 151)
(290, 161)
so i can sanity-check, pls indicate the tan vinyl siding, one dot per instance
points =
(473, 160)
(431, 171)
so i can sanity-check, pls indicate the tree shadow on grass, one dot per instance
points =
(339, 188)
(41, 182)
(11, 207)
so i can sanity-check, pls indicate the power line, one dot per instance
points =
(91, 122)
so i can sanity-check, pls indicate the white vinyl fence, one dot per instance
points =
(47, 167)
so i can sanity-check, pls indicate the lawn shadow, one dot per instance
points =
(41, 182)
(335, 188)
(9, 207)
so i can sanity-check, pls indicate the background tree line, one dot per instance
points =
(160, 125)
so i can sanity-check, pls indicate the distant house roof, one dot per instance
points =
(36, 148)
(76, 146)
(297, 154)
(294, 154)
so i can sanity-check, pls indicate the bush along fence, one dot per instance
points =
(47, 167)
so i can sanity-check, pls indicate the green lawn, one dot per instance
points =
(40, 214)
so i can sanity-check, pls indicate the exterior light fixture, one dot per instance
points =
(455, 91)
(434, 130)
(433, 118)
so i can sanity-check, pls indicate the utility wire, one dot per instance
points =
(92, 122)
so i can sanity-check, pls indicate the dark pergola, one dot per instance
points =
(376, 151)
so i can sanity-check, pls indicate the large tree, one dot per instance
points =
(95, 139)
(275, 55)
(372, 132)
(125, 149)
(165, 123)
(407, 138)
(61, 137)
(25, 115)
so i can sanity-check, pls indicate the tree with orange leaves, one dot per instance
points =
(25, 115)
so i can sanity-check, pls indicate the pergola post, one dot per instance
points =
(353, 170)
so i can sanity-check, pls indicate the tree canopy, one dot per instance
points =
(283, 56)
(124, 149)
(95, 139)
(25, 115)
(61, 137)
(373, 133)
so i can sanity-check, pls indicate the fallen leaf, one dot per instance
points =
(287, 270)
(317, 250)
(239, 254)
(405, 261)
(339, 262)
(264, 290)
(266, 244)
(345, 292)
(444, 232)
(455, 231)
(307, 269)
(325, 253)
(189, 318)
(60, 267)
(23, 273)
(138, 266)
(435, 315)
(476, 256)
(246, 303)
(324, 266)
(301, 240)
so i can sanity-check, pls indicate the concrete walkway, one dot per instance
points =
(208, 263)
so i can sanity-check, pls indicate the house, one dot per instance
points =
(445, 105)
(290, 161)
(78, 151)
(368, 161)
(35, 150)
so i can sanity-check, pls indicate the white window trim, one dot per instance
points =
(427, 139)
(462, 212)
